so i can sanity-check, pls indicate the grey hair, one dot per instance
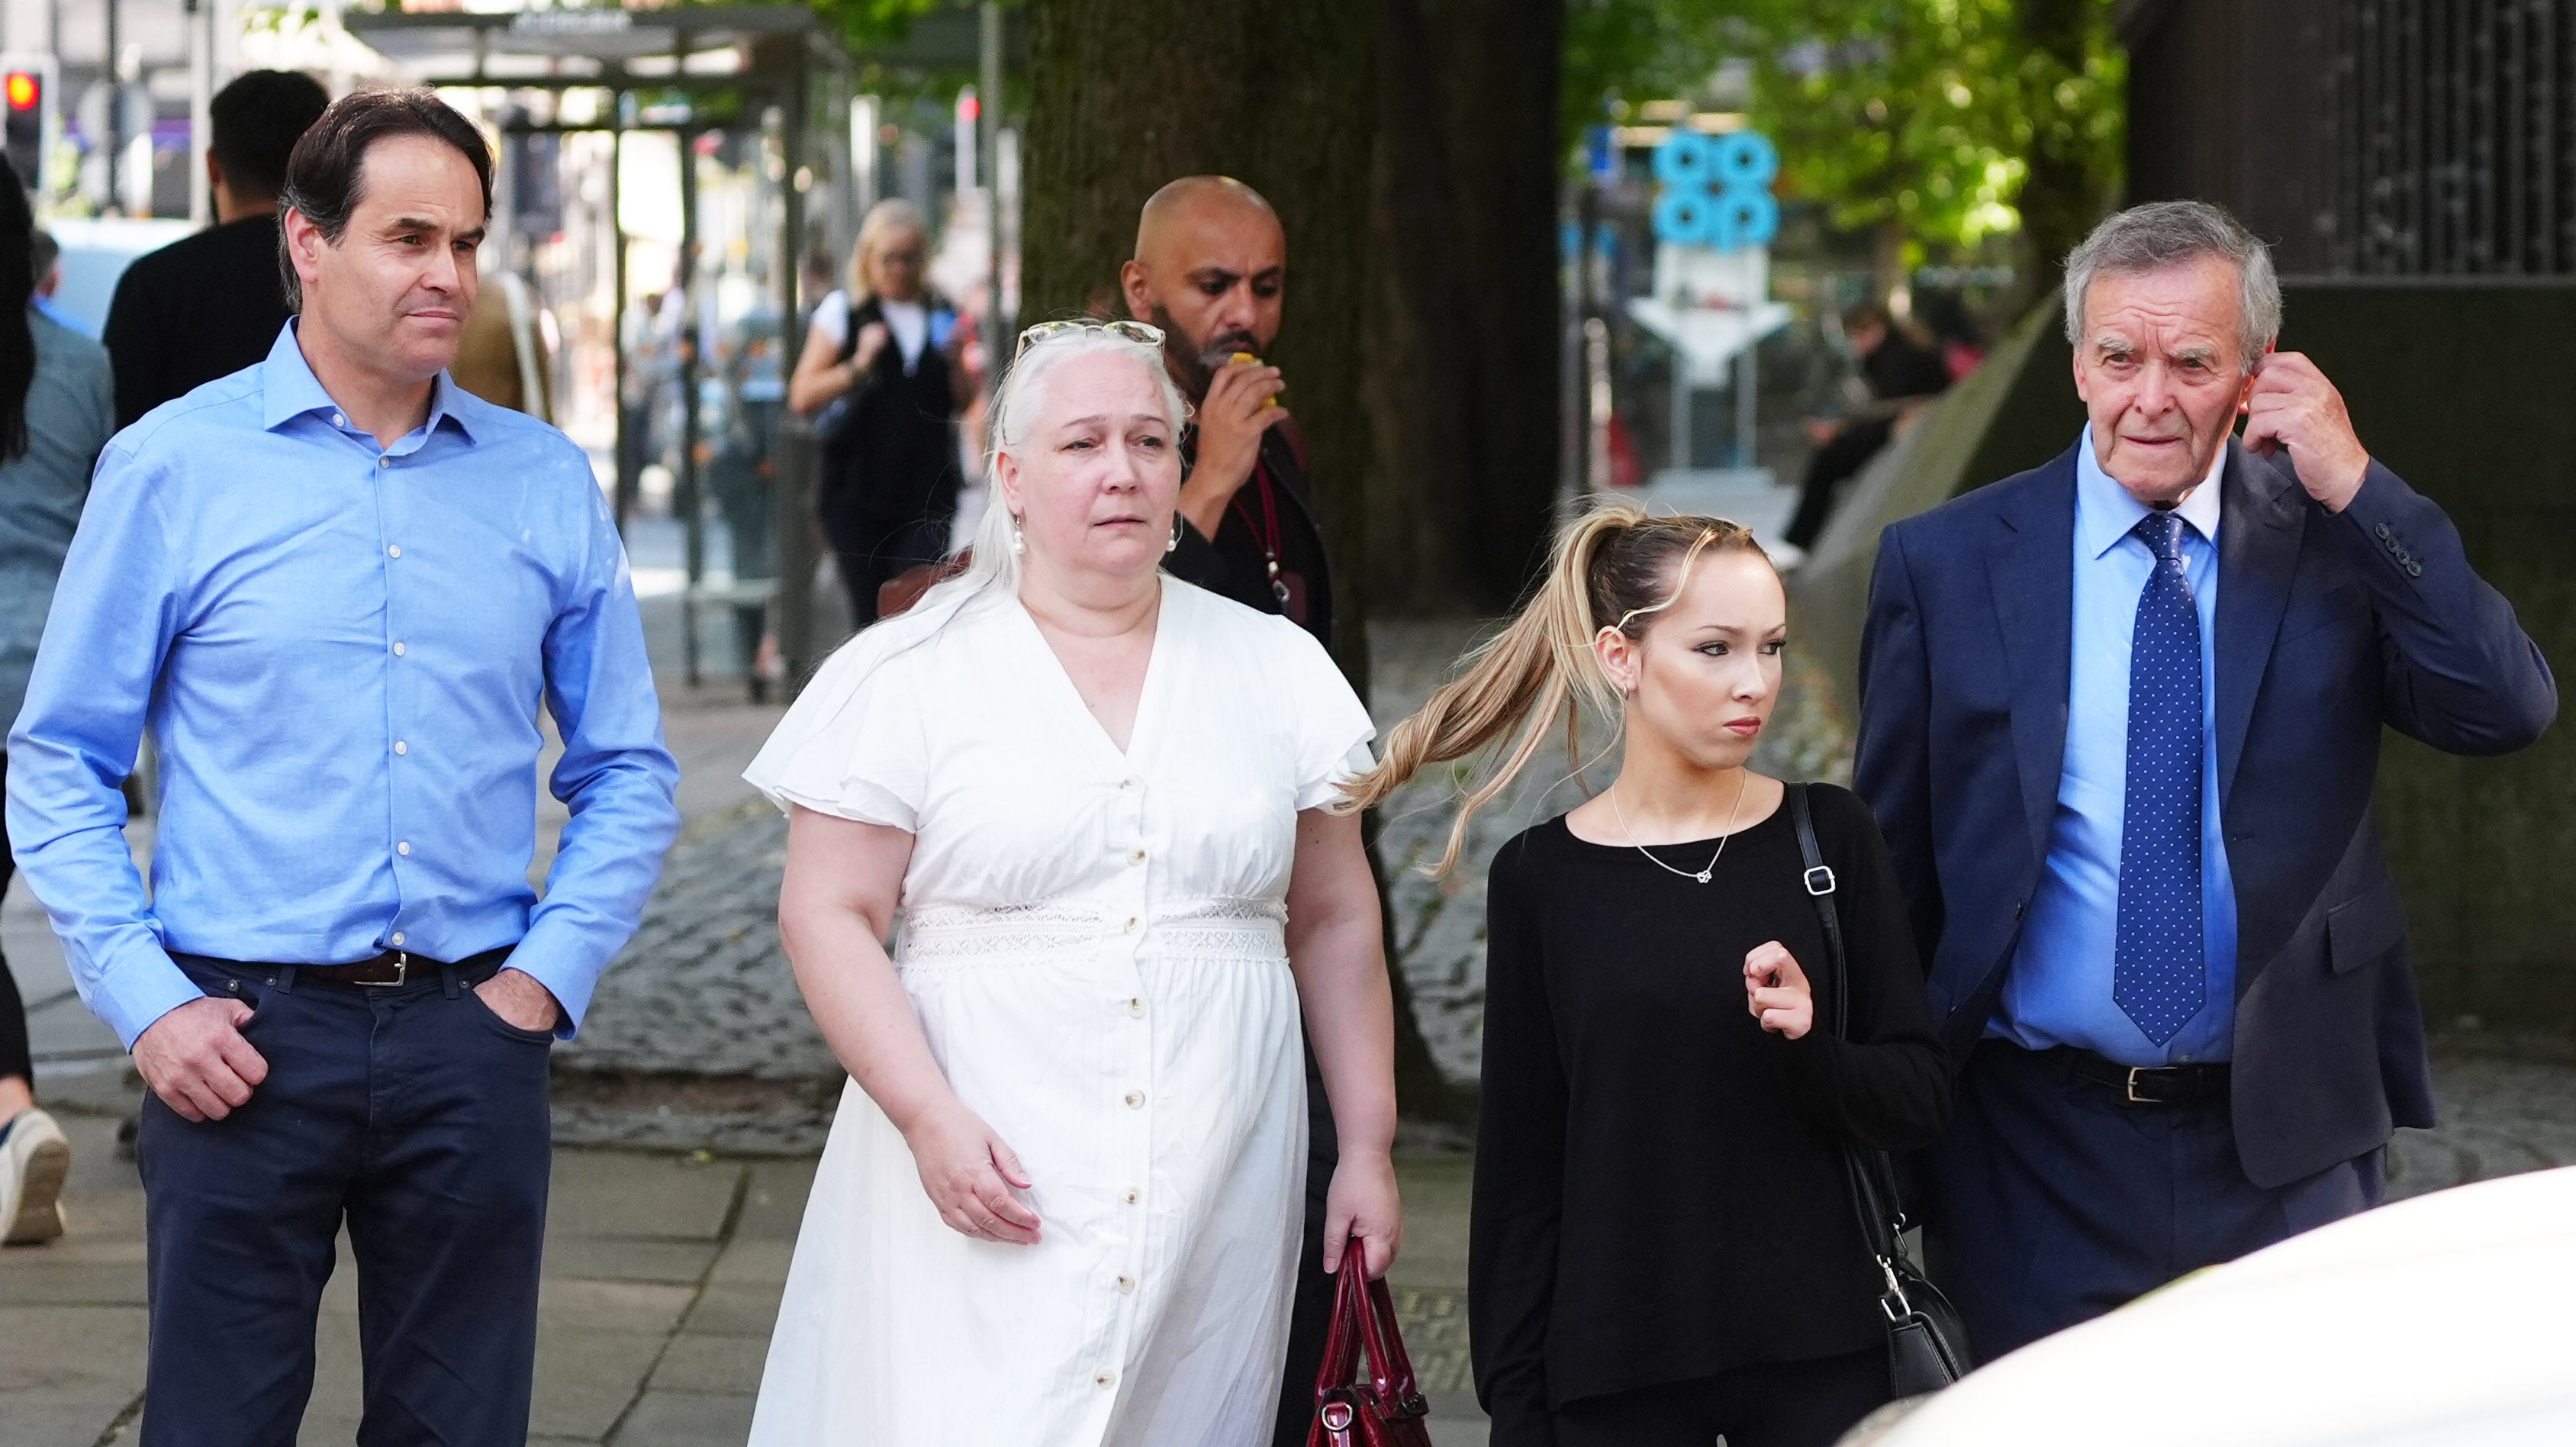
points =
(2160, 234)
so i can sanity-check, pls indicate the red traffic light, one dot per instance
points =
(25, 90)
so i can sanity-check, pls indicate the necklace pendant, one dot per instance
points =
(1702, 876)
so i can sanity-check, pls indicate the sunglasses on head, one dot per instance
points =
(1151, 336)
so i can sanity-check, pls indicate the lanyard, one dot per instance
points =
(1265, 529)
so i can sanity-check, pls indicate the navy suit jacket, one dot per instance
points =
(2328, 626)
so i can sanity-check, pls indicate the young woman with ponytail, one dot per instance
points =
(1663, 1250)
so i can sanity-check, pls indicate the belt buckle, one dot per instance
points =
(2134, 1098)
(402, 972)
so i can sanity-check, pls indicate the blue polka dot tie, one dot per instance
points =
(2158, 977)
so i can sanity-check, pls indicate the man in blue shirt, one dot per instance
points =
(337, 589)
(2120, 721)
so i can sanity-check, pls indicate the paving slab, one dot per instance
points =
(705, 1363)
(615, 1194)
(685, 1419)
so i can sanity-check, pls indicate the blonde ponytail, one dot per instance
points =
(1611, 567)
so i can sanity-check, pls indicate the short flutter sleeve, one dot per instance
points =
(854, 745)
(1333, 727)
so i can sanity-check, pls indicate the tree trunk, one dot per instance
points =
(1125, 95)
(1462, 345)
(2062, 197)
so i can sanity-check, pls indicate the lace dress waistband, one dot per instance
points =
(958, 936)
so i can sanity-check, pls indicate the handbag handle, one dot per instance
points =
(1363, 1321)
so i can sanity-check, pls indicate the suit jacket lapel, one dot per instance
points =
(2031, 568)
(2260, 523)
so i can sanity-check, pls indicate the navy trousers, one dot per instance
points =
(2053, 1200)
(420, 1118)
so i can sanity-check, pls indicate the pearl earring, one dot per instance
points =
(1019, 542)
(1172, 544)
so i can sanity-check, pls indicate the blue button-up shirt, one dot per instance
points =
(340, 651)
(2058, 991)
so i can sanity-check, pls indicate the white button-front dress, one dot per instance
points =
(1093, 941)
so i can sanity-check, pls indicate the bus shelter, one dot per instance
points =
(663, 175)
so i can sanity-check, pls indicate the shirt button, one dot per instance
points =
(1131, 924)
(398, 650)
(400, 747)
(402, 846)
(1135, 1100)
(338, 420)
(398, 936)
(1105, 1378)
(1134, 1195)
(1136, 856)
(1136, 1007)
(1129, 783)
(1126, 1286)
(393, 550)
(384, 462)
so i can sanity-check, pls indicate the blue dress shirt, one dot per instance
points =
(340, 651)
(2058, 991)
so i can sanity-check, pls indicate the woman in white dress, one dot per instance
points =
(1060, 1204)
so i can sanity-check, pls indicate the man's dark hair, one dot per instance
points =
(325, 177)
(257, 121)
(1862, 315)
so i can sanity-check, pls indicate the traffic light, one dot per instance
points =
(22, 123)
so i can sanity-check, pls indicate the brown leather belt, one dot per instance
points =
(399, 967)
(2146, 1084)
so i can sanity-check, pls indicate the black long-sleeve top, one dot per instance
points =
(1659, 1192)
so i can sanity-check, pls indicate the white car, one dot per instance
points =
(2449, 1318)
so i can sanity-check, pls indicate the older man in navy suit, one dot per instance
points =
(2120, 719)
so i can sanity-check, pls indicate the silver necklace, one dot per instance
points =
(1703, 875)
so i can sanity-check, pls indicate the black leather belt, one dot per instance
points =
(2145, 1084)
(397, 967)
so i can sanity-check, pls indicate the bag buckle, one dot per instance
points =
(1816, 888)
(402, 972)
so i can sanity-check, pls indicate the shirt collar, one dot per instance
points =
(289, 389)
(2106, 513)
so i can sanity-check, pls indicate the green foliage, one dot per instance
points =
(1923, 115)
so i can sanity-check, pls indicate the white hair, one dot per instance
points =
(1017, 401)
(2163, 234)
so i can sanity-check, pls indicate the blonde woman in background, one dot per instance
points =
(1060, 1205)
(1661, 1249)
(882, 378)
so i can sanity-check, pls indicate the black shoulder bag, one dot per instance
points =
(1927, 1348)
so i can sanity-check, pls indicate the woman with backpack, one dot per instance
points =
(882, 379)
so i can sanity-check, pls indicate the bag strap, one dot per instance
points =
(1864, 1171)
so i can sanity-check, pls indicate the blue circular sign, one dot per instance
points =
(1716, 189)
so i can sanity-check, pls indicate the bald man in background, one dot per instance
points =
(1211, 270)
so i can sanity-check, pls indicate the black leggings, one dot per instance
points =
(14, 1059)
(1788, 1404)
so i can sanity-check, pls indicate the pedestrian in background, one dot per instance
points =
(881, 378)
(336, 588)
(56, 411)
(1900, 372)
(209, 305)
(2121, 718)
(1663, 1248)
(1059, 1205)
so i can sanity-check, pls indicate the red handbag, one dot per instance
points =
(1378, 1408)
